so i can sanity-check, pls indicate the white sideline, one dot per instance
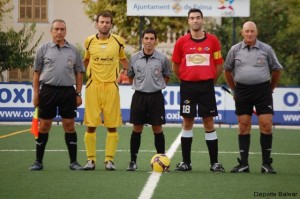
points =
(147, 151)
(153, 179)
(275, 126)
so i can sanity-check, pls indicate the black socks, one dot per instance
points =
(71, 142)
(244, 145)
(41, 142)
(186, 144)
(135, 142)
(159, 141)
(266, 147)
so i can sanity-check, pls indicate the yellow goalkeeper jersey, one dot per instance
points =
(104, 56)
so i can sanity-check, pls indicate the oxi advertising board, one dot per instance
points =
(16, 104)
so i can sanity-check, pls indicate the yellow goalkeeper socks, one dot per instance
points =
(112, 140)
(90, 145)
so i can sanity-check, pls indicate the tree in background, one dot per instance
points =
(278, 25)
(16, 47)
(129, 26)
(277, 21)
(4, 8)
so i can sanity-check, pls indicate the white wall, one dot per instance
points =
(79, 26)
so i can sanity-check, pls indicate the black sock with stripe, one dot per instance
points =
(244, 145)
(135, 142)
(186, 145)
(40, 146)
(266, 147)
(71, 142)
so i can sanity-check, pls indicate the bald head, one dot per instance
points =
(249, 33)
(249, 25)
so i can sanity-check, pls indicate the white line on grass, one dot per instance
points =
(145, 151)
(153, 179)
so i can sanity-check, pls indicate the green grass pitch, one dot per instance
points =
(56, 181)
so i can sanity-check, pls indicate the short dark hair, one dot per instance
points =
(149, 30)
(105, 14)
(195, 10)
(58, 20)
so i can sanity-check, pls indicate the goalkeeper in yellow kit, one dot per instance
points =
(104, 52)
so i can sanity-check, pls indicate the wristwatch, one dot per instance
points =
(78, 94)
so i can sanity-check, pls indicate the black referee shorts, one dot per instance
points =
(147, 108)
(59, 100)
(257, 95)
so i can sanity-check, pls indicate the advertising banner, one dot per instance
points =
(16, 104)
(180, 8)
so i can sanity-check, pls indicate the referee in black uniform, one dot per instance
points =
(149, 71)
(252, 71)
(57, 68)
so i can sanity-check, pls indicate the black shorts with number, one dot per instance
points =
(147, 108)
(249, 96)
(198, 98)
(57, 98)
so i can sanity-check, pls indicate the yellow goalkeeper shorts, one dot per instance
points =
(102, 105)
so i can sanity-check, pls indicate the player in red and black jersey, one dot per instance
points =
(198, 63)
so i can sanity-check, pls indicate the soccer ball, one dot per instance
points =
(160, 163)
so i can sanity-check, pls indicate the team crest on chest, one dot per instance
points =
(156, 72)
(103, 45)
